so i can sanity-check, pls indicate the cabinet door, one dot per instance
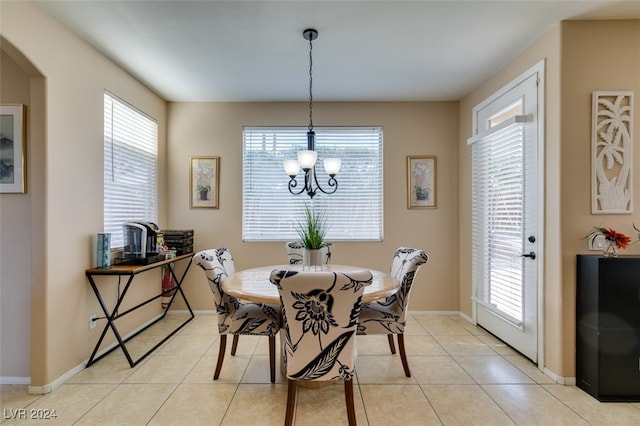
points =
(619, 368)
(619, 293)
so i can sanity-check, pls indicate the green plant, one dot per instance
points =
(621, 241)
(201, 188)
(422, 193)
(313, 229)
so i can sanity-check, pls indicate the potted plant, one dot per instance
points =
(613, 241)
(203, 190)
(422, 193)
(312, 231)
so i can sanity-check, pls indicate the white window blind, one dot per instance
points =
(498, 228)
(353, 212)
(130, 167)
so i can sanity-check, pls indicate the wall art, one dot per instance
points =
(611, 155)
(204, 182)
(13, 163)
(421, 182)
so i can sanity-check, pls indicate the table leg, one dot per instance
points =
(111, 317)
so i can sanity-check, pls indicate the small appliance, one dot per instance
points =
(141, 242)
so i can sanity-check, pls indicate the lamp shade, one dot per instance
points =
(332, 166)
(307, 159)
(291, 167)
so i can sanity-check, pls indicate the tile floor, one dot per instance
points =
(461, 376)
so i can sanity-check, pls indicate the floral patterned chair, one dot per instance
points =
(389, 316)
(234, 317)
(320, 315)
(295, 252)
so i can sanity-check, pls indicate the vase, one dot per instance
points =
(610, 249)
(312, 259)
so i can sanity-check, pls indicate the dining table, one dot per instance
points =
(253, 284)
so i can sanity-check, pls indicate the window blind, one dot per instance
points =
(497, 225)
(130, 167)
(353, 212)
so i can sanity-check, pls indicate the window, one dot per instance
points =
(353, 212)
(130, 167)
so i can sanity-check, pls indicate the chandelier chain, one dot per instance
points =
(310, 84)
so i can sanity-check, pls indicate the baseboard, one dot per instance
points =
(37, 390)
(11, 380)
(467, 318)
(567, 381)
(50, 387)
(454, 313)
(186, 312)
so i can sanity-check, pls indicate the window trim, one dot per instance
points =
(295, 203)
(144, 131)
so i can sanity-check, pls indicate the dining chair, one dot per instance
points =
(235, 317)
(295, 252)
(320, 316)
(389, 315)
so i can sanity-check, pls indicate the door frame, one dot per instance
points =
(538, 68)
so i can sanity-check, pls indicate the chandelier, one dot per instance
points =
(307, 158)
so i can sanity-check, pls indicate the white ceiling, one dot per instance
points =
(246, 50)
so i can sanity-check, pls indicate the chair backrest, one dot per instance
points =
(405, 265)
(295, 252)
(320, 313)
(218, 265)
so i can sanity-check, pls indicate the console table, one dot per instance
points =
(608, 327)
(131, 271)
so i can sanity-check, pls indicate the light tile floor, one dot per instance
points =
(461, 375)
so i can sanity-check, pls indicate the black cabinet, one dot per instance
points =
(608, 327)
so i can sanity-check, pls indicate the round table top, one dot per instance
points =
(254, 285)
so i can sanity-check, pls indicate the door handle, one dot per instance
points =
(531, 255)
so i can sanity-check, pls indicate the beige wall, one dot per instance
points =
(597, 56)
(64, 203)
(15, 228)
(580, 57)
(428, 128)
(67, 209)
(546, 48)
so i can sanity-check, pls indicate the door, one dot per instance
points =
(506, 213)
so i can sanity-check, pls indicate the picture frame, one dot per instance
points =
(13, 162)
(422, 182)
(204, 182)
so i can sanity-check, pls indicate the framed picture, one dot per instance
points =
(204, 182)
(421, 182)
(13, 164)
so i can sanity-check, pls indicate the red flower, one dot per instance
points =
(620, 240)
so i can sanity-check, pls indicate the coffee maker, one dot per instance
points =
(140, 242)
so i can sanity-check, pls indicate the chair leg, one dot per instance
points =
(223, 347)
(272, 358)
(392, 346)
(403, 355)
(234, 345)
(351, 409)
(291, 402)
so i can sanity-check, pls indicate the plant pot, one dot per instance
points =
(610, 249)
(312, 259)
(203, 195)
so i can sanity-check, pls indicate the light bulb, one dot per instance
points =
(291, 167)
(332, 166)
(307, 159)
